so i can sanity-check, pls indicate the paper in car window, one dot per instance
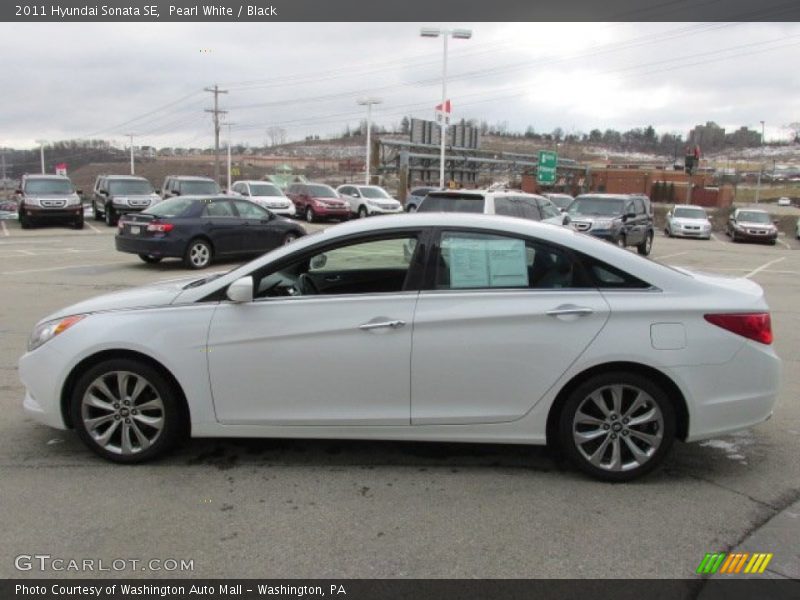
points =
(487, 263)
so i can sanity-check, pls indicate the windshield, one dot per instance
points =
(48, 186)
(690, 213)
(265, 189)
(199, 187)
(604, 207)
(452, 203)
(174, 207)
(751, 216)
(321, 191)
(374, 192)
(130, 186)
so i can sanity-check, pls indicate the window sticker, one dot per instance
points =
(476, 263)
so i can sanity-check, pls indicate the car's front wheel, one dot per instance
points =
(95, 212)
(198, 254)
(412, 208)
(126, 411)
(309, 214)
(362, 212)
(617, 426)
(24, 220)
(111, 215)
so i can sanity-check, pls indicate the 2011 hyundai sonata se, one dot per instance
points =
(449, 327)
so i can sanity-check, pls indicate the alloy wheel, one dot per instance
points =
(618, 428)
(199, 254)
(122, 412)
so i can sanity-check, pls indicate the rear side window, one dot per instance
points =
(219, 208)
(608, 277)
(517, 206)
(462, 203)
(470, 260)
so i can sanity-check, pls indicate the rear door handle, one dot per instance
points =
(570, 309)
(395, 324)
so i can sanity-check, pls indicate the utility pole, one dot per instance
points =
(130, 135)
(229, 157)
(41, 152)
(216, 112)
(369, 102)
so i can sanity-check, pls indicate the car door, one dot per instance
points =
(298, 356)
(223, 226)
(259, 231)
(637, 226)
(499, 321)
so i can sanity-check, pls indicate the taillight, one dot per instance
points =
(160, 227)
(753, 326)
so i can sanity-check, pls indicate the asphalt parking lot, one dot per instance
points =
(285, 508)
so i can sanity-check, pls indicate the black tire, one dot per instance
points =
(734, 239)
(78, 223)
(97, 215)
(199, 254)
(110, 215)
(289, 238)
(24, 220)
(362, 212)
(309, 214)
(174, 420)
(412, 208)
(667, 232)
(622, 242)
(150, 259)
(629, 467)
(646, 246)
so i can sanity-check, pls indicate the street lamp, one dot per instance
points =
(229, 156)
(459, 34)
(130, 135)
(760, 165)
(41, 152)
(368, 102)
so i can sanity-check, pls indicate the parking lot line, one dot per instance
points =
(92, 227)
(22, 272)
(715, 238)
(671, 255)
(764, 266)
(5, 229)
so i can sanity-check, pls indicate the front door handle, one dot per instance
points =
(570, 309)
(396, 324)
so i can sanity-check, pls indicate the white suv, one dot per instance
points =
(267, 195)
(508, 203)
(366, 200)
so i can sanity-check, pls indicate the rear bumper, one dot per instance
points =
(160, 247)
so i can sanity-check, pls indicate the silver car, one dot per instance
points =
(688, 221)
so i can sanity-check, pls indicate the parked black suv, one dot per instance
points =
(116, 195)
(48, 198)
(619, 218)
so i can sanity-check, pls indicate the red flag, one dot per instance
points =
(446, 107)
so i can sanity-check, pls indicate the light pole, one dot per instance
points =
(760, 165)
(41, 152)
(130, 135)
(459, 34)
(368, 102)
(229, 157)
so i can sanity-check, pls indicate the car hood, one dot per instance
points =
(158, 294)
(689, 220)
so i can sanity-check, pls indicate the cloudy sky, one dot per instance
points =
(103, 80)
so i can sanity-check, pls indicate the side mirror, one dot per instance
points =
(241, 290)
(79, 192)
(566, 220)
(631, 215)
(157, 192)
(19, 191)
(103, 192)
(319, 261)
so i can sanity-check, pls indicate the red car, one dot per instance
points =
(315, 201)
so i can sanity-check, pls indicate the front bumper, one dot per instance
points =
(40, 373)
(747, 236)
(327, 212)
(67, 212)
(377, 210)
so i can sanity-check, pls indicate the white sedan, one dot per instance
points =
(688, 221)
(494, 330)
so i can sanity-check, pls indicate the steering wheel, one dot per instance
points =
(307, 285)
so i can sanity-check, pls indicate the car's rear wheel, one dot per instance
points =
(646, 246)
(617, 426)
(126, 411)
(198, 254)
(150, 259)
(310, 214)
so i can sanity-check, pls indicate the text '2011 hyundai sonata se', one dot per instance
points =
(438, 327)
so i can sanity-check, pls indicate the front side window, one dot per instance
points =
(470, 260)
(549, 210)
(374, 193)
(248, 210)
(367, 267)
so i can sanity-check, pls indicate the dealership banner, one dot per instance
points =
(405, 589)
(407, 10)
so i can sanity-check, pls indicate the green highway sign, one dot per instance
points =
(546, 171)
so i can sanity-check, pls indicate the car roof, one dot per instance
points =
(604, 195)
(44, 176)
(255, 181)
(137, 177)
(190, 177)
(689, 206)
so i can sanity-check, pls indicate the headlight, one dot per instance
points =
(49, 329)
(73, 201)
(32, 202)
(372, 203)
